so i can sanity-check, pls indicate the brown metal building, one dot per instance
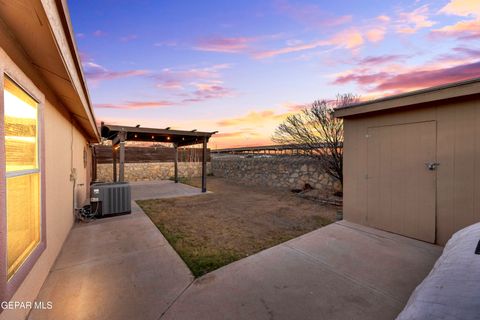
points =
(412, 161)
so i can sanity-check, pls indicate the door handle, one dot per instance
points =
(432, 166)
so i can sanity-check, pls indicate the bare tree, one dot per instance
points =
(317, 131)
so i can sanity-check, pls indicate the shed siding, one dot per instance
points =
(458, 152)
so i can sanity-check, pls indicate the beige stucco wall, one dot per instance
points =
(458, 152)
(58, 197)
(64, 145)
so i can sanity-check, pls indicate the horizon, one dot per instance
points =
(241, 68)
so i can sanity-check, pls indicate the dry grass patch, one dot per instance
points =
(212, 230)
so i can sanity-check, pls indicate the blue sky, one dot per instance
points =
(241, 67)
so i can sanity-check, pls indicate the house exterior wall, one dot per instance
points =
(64, 145)
(58, 198)
(457, 149)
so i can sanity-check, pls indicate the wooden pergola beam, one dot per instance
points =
(180, 137)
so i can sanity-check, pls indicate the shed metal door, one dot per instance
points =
(401, 189)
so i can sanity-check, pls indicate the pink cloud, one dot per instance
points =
(375, 34)
(310, 14)
(99, 33)
(384, 18)
(289, 49)
(429, 78)
(377, 60)
(223, 44)
(462, 8)
(349, 39)
(465, 29)
(207, 91)
(469, 52)
(170, 85)
(461, 30)
(362, 79)
(196, 85)
(411, 80)
(135, 105)
(128, 38)
(294, 107)
(469, 55)
(175, 79)
(411, 22)
(96, 72)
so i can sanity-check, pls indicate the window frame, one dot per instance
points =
(8, 287)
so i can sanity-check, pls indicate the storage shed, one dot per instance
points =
(412, 161)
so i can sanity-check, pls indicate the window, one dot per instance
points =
(22, 175)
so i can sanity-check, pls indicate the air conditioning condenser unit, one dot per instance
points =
(110, 198)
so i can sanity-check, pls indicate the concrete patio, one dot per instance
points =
(123, 268)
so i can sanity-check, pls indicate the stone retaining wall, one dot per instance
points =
(276, 171)
(152, 171)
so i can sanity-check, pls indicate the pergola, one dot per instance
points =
(178, 138)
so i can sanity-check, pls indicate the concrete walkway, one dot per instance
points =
(342, 271)
(117, 268)
(161, 189)
(123, 268)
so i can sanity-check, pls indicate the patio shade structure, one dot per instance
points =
(179, 138)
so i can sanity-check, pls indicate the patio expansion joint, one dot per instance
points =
(343, 275)
(176, 298)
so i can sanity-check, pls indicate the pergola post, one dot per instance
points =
(204, 165)
(122, 157)
(114, 161)
(175, 146)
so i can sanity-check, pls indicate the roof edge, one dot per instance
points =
(76, 73)
(436, 93)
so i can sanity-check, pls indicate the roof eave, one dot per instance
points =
(71, 63)
(437, 93)
(72, 44)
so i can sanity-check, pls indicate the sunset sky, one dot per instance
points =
(240, 67)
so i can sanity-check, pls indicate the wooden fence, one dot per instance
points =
(151, 154)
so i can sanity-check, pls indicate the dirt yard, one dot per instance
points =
(232, 222)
